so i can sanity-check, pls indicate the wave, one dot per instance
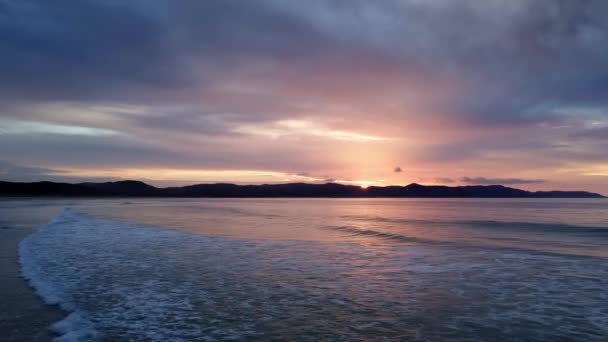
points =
(95, 270)
(513, 244)
(356, 231)
(491, 224)
(75, 327)
(122, 281)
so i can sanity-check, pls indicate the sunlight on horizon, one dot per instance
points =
(185, 176)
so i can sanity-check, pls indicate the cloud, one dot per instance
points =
(180, 52)
(305, 85)
(444, 180)
(19, 173)
(303, 128)
(397, 169)
(502, 181)
(33, 127)
(600, 134)
(8, 169)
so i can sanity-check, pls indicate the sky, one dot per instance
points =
(360, 92)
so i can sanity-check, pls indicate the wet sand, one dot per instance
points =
(23, 315)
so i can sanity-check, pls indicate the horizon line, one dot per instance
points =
(305, 183)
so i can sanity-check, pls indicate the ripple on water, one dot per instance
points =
(122, 281)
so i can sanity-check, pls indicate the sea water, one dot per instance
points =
(321, 269)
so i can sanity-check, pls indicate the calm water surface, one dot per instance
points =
(322, 269)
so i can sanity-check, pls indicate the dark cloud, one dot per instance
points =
(501, 181)
(17, 173)
(82, 51)
(186, 151)
(499, 73)
(317, 178)
(444, 180)
(9, 169)
(593, 134)
(397, 169)
(100, 50)
(98, 152)
(511, 57)
(183, 121)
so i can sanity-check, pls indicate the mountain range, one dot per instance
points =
(131, 188)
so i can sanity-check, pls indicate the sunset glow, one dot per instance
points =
(304, 170)
(271, 91)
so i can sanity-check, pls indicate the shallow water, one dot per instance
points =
(332, 269)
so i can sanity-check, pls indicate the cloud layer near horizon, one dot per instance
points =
(339, 90)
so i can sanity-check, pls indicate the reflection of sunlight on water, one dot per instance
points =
(409, 273)
(470, 222)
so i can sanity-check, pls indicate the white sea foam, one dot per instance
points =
(33, 268)
(74, 328)
(122, 281)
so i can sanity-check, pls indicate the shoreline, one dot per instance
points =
(23, 314)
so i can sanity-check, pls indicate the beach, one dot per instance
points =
(397, 170)
(306, 269)
(23, 314)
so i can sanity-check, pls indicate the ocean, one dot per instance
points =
(318, 269)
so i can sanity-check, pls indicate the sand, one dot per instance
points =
(23, 315)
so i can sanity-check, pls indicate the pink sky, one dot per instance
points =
(454, 93)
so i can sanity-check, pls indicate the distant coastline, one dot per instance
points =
(130, 188)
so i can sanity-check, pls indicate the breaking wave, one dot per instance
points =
(122, 281)
(491, 224)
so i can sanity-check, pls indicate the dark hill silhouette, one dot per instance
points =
(124, 188)
(45, 189)
(140, 189)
